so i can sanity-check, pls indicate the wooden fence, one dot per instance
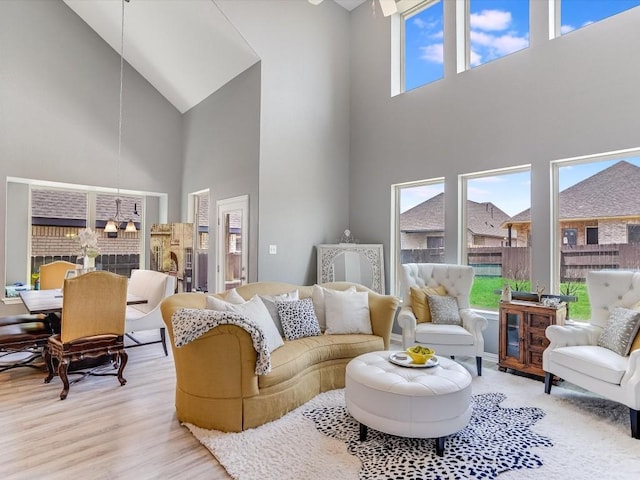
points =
(513, 262)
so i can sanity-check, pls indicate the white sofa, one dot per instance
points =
(449, 340)
(155, 287)
(574, 355)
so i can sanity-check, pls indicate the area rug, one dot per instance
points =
(516, 432)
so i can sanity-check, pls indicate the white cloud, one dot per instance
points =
(509, 43)
(490, 20)
(418, 22)
(477, 193)
(437, 35)
(566, 29)
(480, 38)
(433, 53)
(491, 46)
(476, 58)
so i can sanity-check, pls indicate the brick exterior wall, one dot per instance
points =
(63, 241)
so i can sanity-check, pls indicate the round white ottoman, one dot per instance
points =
(408, 402)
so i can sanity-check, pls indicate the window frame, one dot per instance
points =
(394, 240)
(555, 228)
(463, 252)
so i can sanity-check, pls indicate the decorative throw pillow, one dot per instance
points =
(298, 319)
(620, 330)
(347, 312)
(419, 303)
(444, 310)
(253, 311)
(232, 296)
(270, 302)
(318, 303)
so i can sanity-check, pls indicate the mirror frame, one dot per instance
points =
(371, 252)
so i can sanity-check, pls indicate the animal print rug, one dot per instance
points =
(496, 440)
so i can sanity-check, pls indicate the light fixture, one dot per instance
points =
(388, 7)
(114, 223)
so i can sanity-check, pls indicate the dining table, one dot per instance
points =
(50, 301)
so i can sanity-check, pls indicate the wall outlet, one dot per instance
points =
(273, 249)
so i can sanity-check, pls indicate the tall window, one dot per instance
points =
(423, 44)
(597, 221)
(496, 28)
(575, 14)
(418, 231)
(57, 215)
(497, 230)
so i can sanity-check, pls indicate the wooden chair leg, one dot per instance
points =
(48, 360)
(123, 361)
(634, 415)
(163, 337)
(62, 373)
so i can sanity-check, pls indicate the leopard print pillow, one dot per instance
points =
(298, 319)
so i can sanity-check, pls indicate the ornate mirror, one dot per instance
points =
(352, 262)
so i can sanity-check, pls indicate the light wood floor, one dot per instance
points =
(102, 430)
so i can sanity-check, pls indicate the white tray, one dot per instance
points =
(407, 362)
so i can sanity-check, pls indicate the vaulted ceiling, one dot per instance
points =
(186, 49)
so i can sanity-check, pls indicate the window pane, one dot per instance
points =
(497, 28)
(497, 228)
(599, 216)
(575, 14)
(56, 217)
(423, 48)
(422, 223)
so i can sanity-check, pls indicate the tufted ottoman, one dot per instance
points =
(408, 402)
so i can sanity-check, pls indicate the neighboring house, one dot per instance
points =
(422, 227)
(601, 209)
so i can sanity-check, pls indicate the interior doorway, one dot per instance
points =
(199, 217)
(232, 244)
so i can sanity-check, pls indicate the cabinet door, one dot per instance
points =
(511, 347)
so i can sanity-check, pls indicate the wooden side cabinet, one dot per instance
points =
(521, 334)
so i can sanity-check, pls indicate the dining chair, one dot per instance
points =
(153, 287)
(52, 274)
(93, 312)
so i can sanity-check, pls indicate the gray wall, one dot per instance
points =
(221, 138)
(560, 98)
(59, 89)
(304, 129)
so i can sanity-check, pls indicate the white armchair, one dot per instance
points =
(451, 340)
(155, 287)
(574, 355)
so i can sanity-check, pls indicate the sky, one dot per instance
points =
(508, 192)
(498, 28)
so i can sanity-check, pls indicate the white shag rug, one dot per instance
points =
(590, 436)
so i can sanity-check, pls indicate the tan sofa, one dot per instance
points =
(216, 384)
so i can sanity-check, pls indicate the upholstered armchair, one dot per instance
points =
(575, 355)
(446, 339)
(154, 287)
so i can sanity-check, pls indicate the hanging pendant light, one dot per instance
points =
(114, 223)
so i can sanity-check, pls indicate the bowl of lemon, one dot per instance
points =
(419, 354)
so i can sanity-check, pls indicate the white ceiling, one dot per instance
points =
(187, 49)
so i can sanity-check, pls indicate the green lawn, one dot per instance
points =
(483, 296)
